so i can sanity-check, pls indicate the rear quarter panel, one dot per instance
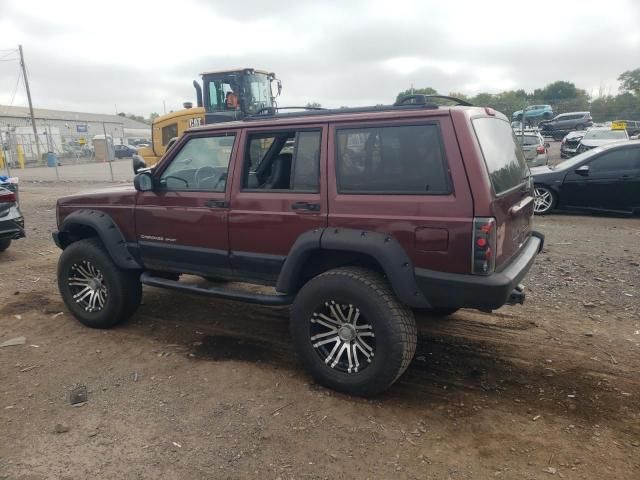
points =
(434, 230)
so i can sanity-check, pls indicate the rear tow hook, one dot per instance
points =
(517, 295)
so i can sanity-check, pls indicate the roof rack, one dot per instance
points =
(274, 110)
(420, 99)
(418, 102)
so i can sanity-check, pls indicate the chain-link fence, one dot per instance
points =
(83, 152)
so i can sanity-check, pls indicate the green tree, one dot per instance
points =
(313, 105)
(630, 81)
(138, 118)
(153, 116)
(558, 90)
(416, 91)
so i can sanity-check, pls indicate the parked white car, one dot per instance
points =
(598, 136)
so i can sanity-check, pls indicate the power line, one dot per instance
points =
(12, 52)
(15, 89)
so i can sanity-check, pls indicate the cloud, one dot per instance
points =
(92, 57)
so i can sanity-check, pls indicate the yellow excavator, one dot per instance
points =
(224, 96)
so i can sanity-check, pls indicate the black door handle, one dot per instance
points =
(216, 204)
(306, 206)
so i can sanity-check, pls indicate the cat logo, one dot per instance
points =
(195, 122)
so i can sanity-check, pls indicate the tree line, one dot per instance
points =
(563, 96)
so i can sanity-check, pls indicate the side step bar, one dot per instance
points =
(237, 295)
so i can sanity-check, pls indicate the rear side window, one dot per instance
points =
(283, 160)
(392, 160)
(505, 162)
(617, 160)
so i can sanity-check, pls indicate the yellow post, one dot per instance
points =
(20, 155)
(1, 157)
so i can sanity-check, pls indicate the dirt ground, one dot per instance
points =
(200, 388)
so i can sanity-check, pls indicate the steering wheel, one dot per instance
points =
(203, 173)
(221, 179)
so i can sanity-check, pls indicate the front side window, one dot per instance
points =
(285, 160)
(392, 160)
(169, 132)
(223, 95)
(505, 162)
(201, 165)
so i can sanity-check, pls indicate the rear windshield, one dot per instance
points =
(528, 140)
(605, 135)
(504, 159)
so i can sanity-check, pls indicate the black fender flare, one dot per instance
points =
(382, 247)
(107, 230)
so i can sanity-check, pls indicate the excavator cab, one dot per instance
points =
(224, 96)
(234, 94)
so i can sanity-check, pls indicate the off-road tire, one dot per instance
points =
(123, 286)
(392, 323)
(4, 244)
(439, 312)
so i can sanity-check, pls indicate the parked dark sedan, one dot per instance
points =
(605, 178)
(123, 151)
(11, 221)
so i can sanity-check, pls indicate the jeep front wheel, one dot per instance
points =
(94, 289)
(351, 332)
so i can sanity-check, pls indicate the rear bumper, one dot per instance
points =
(12, 227)
(478, 291)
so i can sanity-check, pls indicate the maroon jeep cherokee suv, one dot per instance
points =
(357, 217)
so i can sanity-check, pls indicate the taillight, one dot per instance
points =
(540, 149)
(484, 245)
(7, 197)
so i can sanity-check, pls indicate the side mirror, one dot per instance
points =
(143, 182)
(138, 163)
(582, 170)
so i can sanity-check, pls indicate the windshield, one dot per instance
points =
(257, 88)
(605, 135)
(505, 161)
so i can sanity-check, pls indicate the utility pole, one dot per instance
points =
(33, 120)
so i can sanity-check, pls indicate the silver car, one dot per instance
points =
(534, 148)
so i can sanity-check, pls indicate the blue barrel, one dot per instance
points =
(52, 160)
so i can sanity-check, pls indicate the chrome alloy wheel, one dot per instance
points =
(342, 337)
(543, 200)
(86, 283)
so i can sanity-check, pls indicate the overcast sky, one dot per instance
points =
(132, 55)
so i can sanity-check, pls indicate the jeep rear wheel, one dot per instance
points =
(351, 332)
(94, 289)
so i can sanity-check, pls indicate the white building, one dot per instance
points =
(62, 132)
